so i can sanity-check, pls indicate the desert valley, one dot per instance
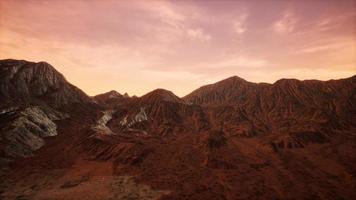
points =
(232, 139)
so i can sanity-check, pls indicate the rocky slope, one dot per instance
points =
(23, 130)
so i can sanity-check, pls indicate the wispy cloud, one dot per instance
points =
(286, 23)
(243, 62)
(329, 23)
(324, 47)
(239, 23)
(198, 34)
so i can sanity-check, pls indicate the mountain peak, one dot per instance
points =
(113, 94)
(161, 95)
(109, 99)
(228, 90)
(161, 91)
(126, 95)
(234, 78)
(22, 80)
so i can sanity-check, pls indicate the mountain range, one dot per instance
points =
(229, 140)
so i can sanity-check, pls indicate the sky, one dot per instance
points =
(138, 46)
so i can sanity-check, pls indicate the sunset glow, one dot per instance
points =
(138, 46)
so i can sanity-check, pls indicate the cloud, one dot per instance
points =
(239, 24)
(243, 62)
(324, 47)
(164, 11)
(286, 23)
(198, 34)
(329, 23)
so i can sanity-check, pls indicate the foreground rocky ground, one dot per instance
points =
(192, 166)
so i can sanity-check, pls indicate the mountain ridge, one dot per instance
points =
(295, 138)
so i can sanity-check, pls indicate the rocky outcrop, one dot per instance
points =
(23, 81)
(137, 118)
(24, 132)
(101, 127)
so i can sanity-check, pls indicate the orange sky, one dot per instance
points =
(138, 46)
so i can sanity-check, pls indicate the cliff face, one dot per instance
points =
(22, 81)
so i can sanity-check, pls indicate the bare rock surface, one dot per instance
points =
(25, 132)
(101, 127)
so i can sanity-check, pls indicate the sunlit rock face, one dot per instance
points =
(137, 118)
(101, 127)
(25, 129)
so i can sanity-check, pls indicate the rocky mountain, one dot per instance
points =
(111, 98)
(23, 81)
(158, 112)
(159, 96)
(232, 90)
(230, 140)
(291, 113)
(33, 96)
